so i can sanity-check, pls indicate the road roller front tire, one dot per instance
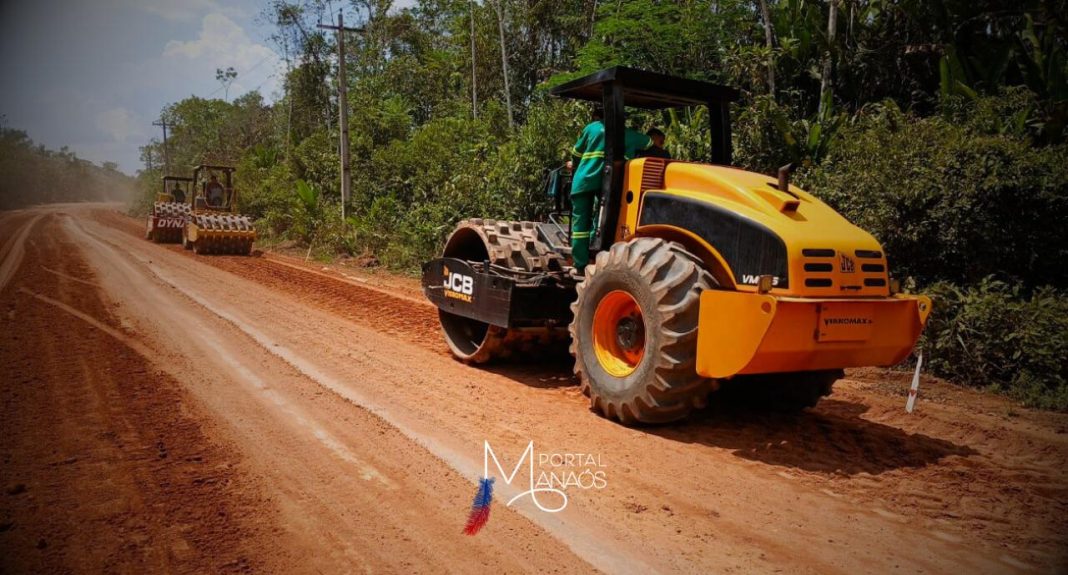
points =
(634, 336)
(469, 340)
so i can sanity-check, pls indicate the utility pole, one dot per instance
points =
(166, 155)
(343, 108)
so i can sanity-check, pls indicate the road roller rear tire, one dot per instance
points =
(634, 335)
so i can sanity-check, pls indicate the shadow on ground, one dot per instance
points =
(554, 371)
(833, 438)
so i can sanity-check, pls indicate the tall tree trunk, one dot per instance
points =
(591, 19)
(769, 39)
(474, 74)
(289, 100)
(504, 62)
(826, 83)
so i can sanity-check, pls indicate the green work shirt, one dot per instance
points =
(589, 155)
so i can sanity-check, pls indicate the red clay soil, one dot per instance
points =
(107, 467)
(178, 413)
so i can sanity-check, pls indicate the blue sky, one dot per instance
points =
(94, 74)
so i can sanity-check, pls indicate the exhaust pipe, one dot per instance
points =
(784, 178)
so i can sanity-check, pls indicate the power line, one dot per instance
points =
(264, 59)
(264, 81)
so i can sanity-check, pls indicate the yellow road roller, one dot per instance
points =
(705, 277)
(169, 211)
(214, 226)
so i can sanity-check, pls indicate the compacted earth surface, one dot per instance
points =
(166, 412)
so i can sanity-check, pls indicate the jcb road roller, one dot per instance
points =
(705, 277)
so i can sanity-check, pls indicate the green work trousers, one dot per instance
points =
(583, 209)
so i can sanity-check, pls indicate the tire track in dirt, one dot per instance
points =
(14, 249)
(415, 321)
(105, 467)
(397, 316)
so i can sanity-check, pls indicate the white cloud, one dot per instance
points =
(220, 37)
(399, 5)
(121, 124)
(185, 10)
(222, 43)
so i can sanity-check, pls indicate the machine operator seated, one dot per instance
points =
(215, 194)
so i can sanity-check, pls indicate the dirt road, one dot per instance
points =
(164, 412)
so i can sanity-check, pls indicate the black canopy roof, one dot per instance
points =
(649, 90)
(215, 167)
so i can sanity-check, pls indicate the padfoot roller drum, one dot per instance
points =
(166, 221)
(219, 234)
(506, 246)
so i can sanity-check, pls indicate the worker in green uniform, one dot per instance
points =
(588, 165)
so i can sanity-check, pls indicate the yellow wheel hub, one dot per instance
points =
(618, 333)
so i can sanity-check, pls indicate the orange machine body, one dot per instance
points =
(826, 300)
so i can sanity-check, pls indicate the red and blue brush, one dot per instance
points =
(480, 508)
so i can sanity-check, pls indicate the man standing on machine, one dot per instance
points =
(588, 165)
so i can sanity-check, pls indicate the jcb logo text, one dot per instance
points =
(458, 286)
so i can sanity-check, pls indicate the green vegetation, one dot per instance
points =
(953, 197)
(938, 125)
(994, 335)
(33, 175)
